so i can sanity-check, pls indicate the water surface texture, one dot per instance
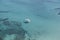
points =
(44, 16)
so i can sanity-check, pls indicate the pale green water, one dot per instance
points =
(45, 23)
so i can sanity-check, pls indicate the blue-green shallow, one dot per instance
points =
(45, 21)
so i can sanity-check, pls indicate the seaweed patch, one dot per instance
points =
(13, 27)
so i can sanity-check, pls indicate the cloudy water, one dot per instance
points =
(44, 16)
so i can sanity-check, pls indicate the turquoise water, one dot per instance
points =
(45, 21)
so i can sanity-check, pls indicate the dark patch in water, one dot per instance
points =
(0, 30)
(44, 17)
(13, 27)
(4, 19)
(57, 9)
(4, 11)
(52, 2)
(59, 13)
(1, 38)
(6, 23)
(17, 23)
(26, 22)
(15, 31)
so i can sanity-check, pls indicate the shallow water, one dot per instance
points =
(45, 21)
